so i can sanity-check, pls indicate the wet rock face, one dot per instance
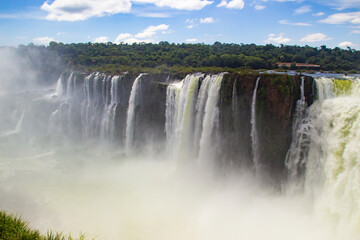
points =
(275, 105)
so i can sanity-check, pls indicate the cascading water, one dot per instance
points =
(200, 108)
(112, 101)
(192, 115)
(87, 108)
(171, 114)
(209, 136)
(181, 100)
(297, 155)
(334, 158)
(253, 134)
(130, 121)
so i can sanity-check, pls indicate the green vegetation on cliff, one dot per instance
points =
(14, 228)
(165, 57)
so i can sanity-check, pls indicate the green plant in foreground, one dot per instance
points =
(14, 228)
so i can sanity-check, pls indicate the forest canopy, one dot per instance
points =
(163, 56)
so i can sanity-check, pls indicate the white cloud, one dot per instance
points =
(122, 36)
(302, 10)
(75, 10)
(272, 38)
(153, 14)
(207, 20)
(152, 30)
(286, 22)
(355, 31)
(259, 7)
(235, 4)
(345, 44)
(136, 40)
(60, 33)
(343, 4)
(70, 10)
(341, 18)
(144, 36)
(319, 14)
(315, 37)
(102, 39)
(178, 4)
(43, 40)
(191, 40)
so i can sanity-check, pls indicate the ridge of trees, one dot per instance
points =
(110, 57)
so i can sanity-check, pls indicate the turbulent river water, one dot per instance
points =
(63, 167)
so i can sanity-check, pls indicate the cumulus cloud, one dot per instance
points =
(102, 39)
(341, 18)
(302, 10)
(144, 36)
(43, 40)
(286, 22)
(272, 38)
(191, 40)
(346, 44)
(152, 30)
(207, 20)
(235, 4)
(71, 10)
(315, 37)
(122, 36)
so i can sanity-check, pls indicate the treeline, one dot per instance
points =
(112, 58)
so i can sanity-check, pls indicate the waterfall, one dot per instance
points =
(210, 124)
(180, 110)
(297, 155)
(200, 108)
(254, 134)
(192, 116)
(87, 107)
(111, 100)
(93, 106)
(131, 112)
(172, 102)
(334, 159)
(68, 170)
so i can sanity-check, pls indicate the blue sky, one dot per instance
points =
(291, 22)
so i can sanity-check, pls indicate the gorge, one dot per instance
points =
(197, 156)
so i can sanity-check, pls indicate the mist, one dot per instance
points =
(146, 198)
(59, 180)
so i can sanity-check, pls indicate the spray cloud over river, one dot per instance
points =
(70, 161)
